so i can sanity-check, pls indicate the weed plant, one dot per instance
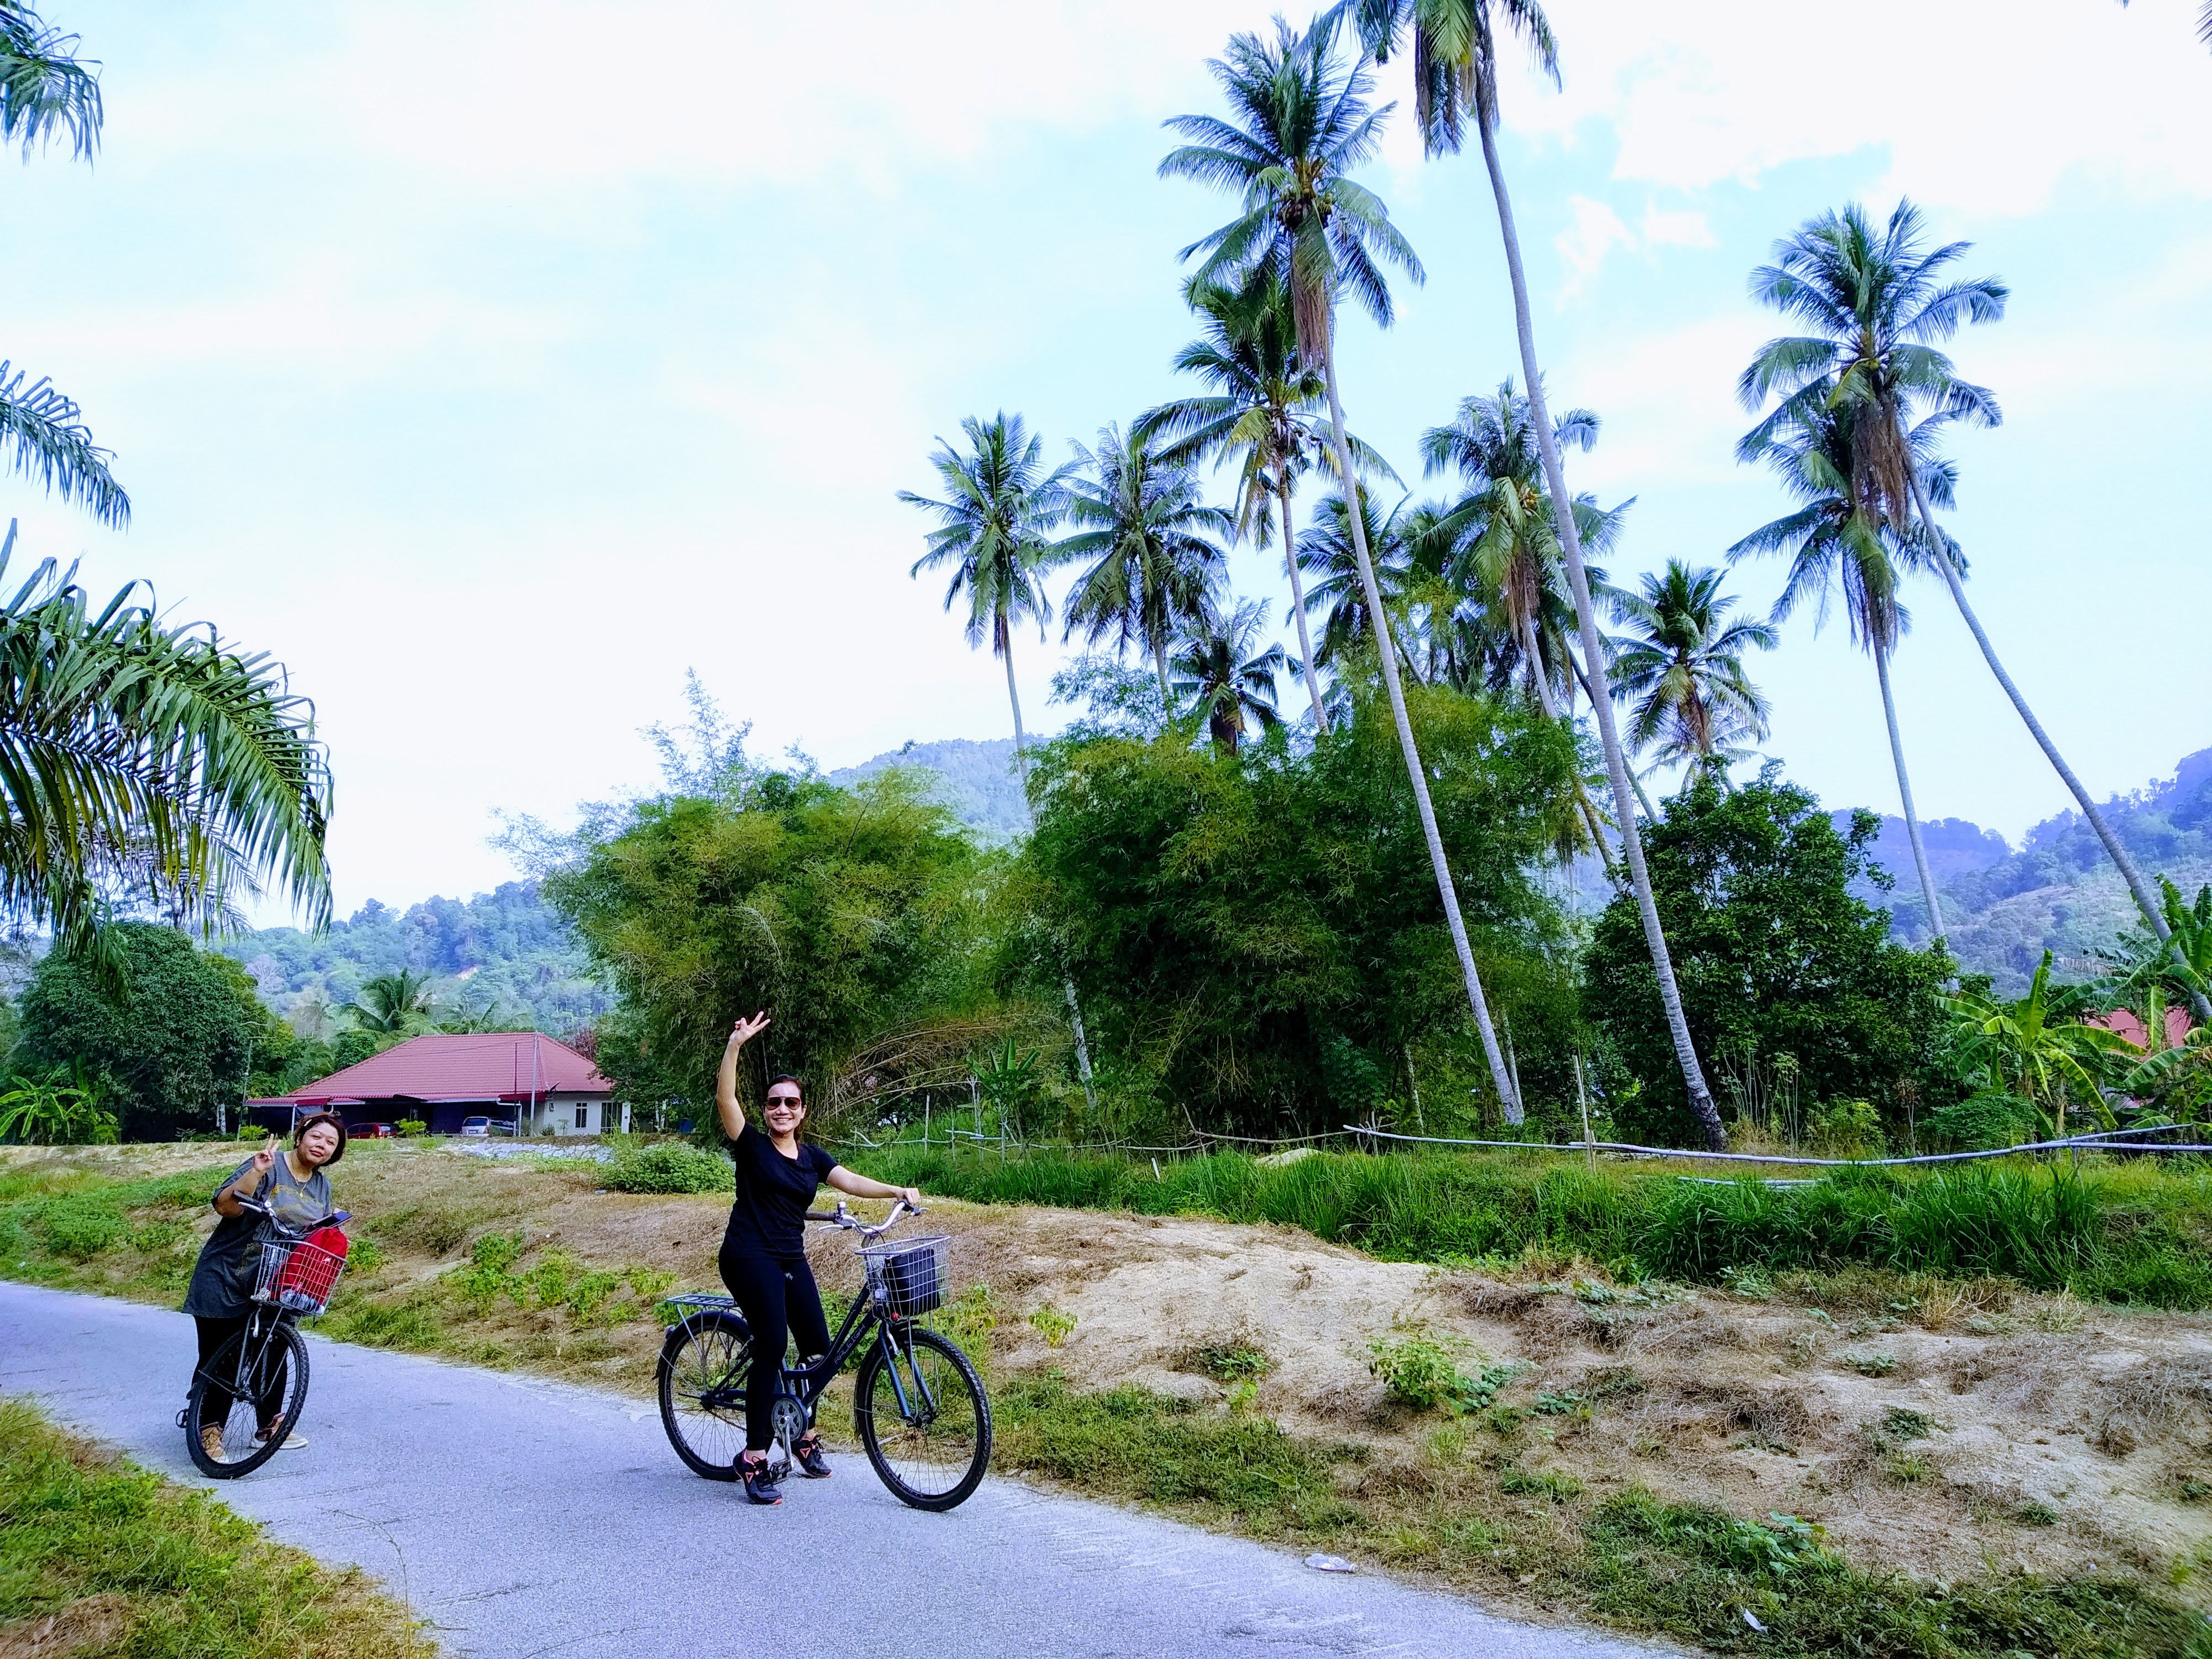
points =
(2136, 1230)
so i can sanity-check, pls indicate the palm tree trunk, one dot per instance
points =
(1160, 667)
(2128, 872)
(1904, 793)
(1298, 601)
(1590, 692)
(1387, 655)
(1551, 708)
(1562, 512)
(1006, 645)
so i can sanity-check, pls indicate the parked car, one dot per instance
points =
(487, 1125)
(371, 1131)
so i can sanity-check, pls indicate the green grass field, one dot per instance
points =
(2135, 1232)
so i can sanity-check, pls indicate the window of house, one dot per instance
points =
(583, 1116)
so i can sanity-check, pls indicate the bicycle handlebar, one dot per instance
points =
(841, 1217)
(336, 1218)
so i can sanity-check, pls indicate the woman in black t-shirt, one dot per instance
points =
(764, 1258)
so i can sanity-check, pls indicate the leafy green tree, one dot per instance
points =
(848, 915)
(1223, 675)
(1876, 303)
(1304, 123)
(172, 1044)
(151, 760)
(1147, 536)
(2037, 1048)
(1456, 80)
(46, 89)
(1681, 664)
(1775, 954)
(1264, 416)
(1230, 917)
(1840, 541)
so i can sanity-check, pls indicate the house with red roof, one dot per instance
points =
(523, 1079)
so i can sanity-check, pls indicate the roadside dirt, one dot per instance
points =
(1949, 1430)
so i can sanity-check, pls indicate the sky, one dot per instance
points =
(492, 363)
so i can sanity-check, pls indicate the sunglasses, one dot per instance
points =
(783, 1100)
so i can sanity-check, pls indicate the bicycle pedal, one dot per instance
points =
(182, 1415)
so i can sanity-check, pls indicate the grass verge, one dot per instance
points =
(1472, 1519)
(98, 1556)
(2127, 1232)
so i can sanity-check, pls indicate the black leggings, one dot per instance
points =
(777, 1296)
(213, 1334)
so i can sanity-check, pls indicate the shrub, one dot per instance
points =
(412, 1126)
(1422, 1371)
(670, 1166)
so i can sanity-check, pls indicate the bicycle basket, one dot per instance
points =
(908, 1278)
(298, 1278)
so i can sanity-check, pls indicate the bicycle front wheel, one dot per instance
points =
(704, 1363)
(922, 1414)
(249, 1394)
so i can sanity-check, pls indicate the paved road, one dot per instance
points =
(525, 1518)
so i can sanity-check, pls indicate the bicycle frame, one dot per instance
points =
(864, 1321)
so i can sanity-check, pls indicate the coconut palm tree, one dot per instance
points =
(993, 529)
(1681, 664)
(994, 532)
(397, 1004)
(2203, 23)
(1455, 78)
(1509, 550)
(1152, 566)
(1302, 123)
(1338, 592)
(1839, 545)
(45, 89)
(1875, 303)
(1221, 674)
(1264, 416)
(138, 755)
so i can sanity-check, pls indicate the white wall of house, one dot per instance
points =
(570, 1115)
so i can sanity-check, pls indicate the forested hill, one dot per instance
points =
(2003, 907)
(503, 952)
(978, 780)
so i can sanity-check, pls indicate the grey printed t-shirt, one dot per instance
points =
(222, 1278)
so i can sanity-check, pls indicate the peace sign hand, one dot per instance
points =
(266, 1157)
(746, 1030)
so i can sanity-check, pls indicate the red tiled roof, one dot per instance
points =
(501, 1066)
(2130, 1029)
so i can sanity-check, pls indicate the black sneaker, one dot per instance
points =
(808, 1451)
(759, 1489)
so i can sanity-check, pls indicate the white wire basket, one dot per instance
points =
(908, 1278)
(298, 1278)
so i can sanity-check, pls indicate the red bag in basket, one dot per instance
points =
(309, 1274)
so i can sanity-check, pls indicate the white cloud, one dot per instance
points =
(1984, 105)
(1595, 231)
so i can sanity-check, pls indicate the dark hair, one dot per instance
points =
(300, 1133)
(786, 1077)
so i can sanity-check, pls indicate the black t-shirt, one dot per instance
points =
(774, 1192)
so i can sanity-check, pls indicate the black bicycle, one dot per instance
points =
(252, 1389)
(918, 1405)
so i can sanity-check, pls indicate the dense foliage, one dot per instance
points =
(1775, 956)
(1258, 931)
(174, 1043)
(849, 914)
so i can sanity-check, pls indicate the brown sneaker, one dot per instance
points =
(211, 1441)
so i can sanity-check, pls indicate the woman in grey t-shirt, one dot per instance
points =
(297, 1193)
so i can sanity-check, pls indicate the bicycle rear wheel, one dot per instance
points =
(925, 1419)
(248, 1379)
(704, 1363)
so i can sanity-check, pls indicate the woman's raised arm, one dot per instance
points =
(725, 1079)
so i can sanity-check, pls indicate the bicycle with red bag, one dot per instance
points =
(253, 1386)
